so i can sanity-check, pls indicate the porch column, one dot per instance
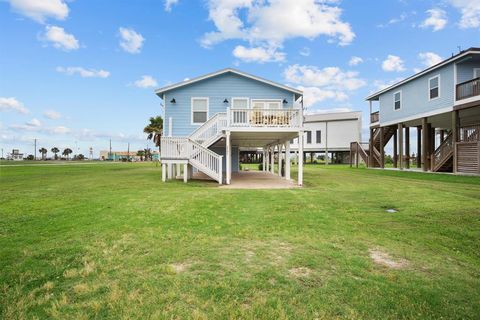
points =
(263, 160)
(400, 145)
(280, 159)
(300, 160)
(370, 150)
(272, 160)
(419, 146)
(382, 153)
(178, 170)
(169, 171)
(228, 151)
(164, 172)
(455, 138)
(424, 144)
(185, 172)
(407, 147)
(395, 154)
(287, 160)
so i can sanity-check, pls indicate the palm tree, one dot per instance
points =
(67, 152)
(148, 154)
(55, 150)
(154, 130)
(140, 153)
(43, 151)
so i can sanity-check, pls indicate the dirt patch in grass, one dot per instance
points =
(179, 267)
(384, 259)
(300, 272)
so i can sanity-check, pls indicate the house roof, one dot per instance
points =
(456, 57)
(333, 116)
(159, 92)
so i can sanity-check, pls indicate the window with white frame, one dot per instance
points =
(309, 137)
(266, 104)
(239, 103)
(199, 110)
(434, 87)
(319, 136)
(397, 100)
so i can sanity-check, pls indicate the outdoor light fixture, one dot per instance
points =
(225, 101)
(285, 101)
(173, 101)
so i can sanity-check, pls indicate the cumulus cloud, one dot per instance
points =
(470, 11)
(393, 63)
(258, 54)
(131, 41)
(40, 10)
(305, 51)
(12, 104)
(52, 115)
(355, 61)
(169, 4)
(268, 24)
(437, 19)
(321, 84)
(84, 73)
(429, 59)
(60, 39)
(34, 123)
(146, 82)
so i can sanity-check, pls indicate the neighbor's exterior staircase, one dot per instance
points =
(362, 148)
(195, 147)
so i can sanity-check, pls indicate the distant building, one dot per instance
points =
(330, 133)
(120, 155)
(15, 155)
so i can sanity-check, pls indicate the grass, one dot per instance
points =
(112, 241)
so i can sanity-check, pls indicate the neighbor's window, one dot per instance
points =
(309, 136)
(319, 136)
(434, 87)
(397, 100)
(239, 103)
(199, 110)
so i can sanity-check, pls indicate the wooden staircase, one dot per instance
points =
(442, 158)
(363, 150)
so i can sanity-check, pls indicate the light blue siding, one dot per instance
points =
(235, 157)
(465, 70)
(217, 89)
(415, 96)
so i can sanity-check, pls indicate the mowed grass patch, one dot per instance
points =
(113, 241)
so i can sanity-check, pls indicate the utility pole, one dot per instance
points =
(128, 152)
(35, 151)
(110, 153)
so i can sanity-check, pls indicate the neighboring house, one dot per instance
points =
(330, 134)
(120, 155)
(442, 103)
(15, 155)
(208, 119)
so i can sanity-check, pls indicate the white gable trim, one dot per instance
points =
(214, 74)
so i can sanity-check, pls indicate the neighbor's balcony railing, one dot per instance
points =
(286, 118)
(468, 89)
(374, 117)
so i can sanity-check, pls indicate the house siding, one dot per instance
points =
(217, 89)
(465, 70)
(415, 96)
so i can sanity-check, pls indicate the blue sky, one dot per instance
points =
(77, 73)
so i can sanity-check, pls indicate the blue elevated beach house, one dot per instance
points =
(442, 104)
(209, 119)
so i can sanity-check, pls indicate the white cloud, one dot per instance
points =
(429, 58)
(268, 24)
(393, 63)
(34, 123)
(131, 41)
(52, 115)
(258, 54)
(146, 82)
(305, 51)
(355, 61)
(60, 39)
(470, 10)
(437, 19)
(321, 84)
(169, 4)
(84, 73)
(380, 85)
(40, 10)
(12, 104)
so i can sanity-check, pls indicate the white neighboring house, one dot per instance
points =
(15, 155)
(331, 133)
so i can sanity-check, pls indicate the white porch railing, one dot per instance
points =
(210, 129)
(174, 148)
(284, 118)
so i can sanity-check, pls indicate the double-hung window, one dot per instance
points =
(309, 137)
(434, 87)
(239, 112)
(199, 110)
(397, 100)
(319, 137)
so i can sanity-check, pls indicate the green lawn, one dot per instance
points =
(113, 241)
